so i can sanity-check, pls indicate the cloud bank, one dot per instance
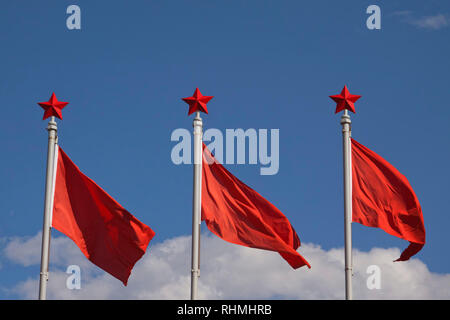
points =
(228, 272)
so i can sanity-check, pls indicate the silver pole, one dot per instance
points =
(196, 207)
(346, 134)
(46, 229)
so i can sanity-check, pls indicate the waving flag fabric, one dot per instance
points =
(238, 214)
(106, 233)
(383, 198)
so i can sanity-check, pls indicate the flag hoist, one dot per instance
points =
(52, 109)
(345, 101)
(197, 103)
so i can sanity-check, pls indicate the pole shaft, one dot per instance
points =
(346, 134)
(196, 206)
(46, 229)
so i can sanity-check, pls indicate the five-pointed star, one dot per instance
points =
(345, 100)
(53, 107)
(197, 102)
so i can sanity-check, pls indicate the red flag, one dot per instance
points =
(383, 198)
(107, 234)
(238, 214)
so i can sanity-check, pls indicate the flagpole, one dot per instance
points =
(46, 229)
(346, 134)
(196, 207)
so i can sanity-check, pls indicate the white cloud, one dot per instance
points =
(432, 22)
(229, 272)
(435, 22)
(22, 250)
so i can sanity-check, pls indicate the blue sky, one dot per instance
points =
(268, 64)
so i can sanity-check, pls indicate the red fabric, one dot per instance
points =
(238, 214)
(107, 234)
(383, 198)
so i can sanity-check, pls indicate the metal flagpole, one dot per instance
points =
(49, 188)
(346, 134)
(196, 207)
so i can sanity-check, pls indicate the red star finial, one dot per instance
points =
(53, 107)
(345, 100)
(197, 102)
